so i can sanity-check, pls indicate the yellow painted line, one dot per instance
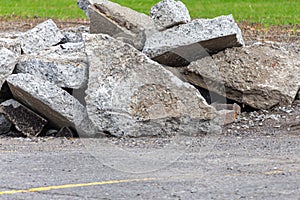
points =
(40, 189)
(274, 172)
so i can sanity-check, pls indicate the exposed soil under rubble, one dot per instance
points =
(279, 120)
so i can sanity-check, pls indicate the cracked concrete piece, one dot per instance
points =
(118, 21)
(66, 68)
(24, 119)
(8, 61)
(180, 45)
(51, 102)
(261, 76)
(168, 13)
(129, 94)
(42, 36)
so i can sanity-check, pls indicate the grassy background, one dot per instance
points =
(267, 12)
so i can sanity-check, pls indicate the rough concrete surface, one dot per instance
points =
(50, 101)
(261, 75)
(129, 94)
(8, 60)
(42, 36)
(168, 13)
(180, 45)
(67, 69)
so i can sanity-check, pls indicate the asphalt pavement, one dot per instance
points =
(217, 167)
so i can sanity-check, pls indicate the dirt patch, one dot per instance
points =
(26, 24)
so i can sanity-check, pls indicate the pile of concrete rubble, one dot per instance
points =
(130, 74)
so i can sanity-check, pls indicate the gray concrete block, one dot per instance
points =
(180, 45)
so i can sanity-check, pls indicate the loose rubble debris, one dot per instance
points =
(24, 120)
(282, 119)
(169, 13)
(100, 80)
(65, 132)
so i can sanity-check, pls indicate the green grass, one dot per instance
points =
(267, 12)
(58, 9)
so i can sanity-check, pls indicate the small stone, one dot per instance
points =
(65, 132)
(24, 119)
(51, 132)
(226, 117)
(168, 13)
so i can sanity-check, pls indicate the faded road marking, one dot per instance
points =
(40, 189)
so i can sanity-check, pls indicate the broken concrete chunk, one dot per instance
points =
(67, 70)
(24, 120)
(226, 117)
(259, 76)
(8, 61)
(44, 35)
(129, 94)
(227, 113)
(180, 45)
(5, 125)
(51, 102)
(168, 13)
(101, 24)
(120, 22)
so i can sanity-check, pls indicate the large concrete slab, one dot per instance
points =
(261, 75)
(129, 94)
(180, 45)
(51, 102)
